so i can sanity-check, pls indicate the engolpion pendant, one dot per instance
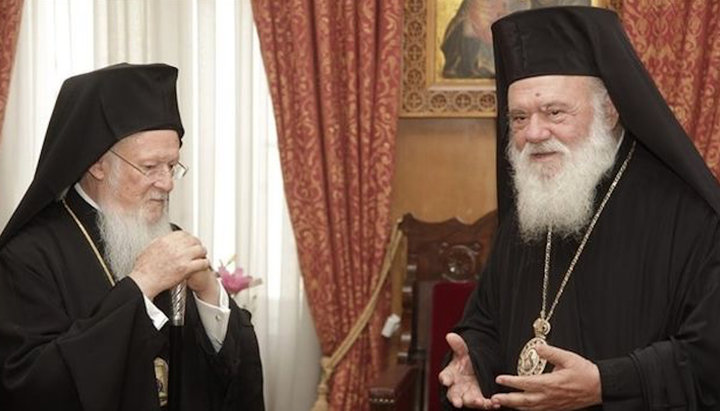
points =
(530, 363)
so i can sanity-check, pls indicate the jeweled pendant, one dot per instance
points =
(530, 362)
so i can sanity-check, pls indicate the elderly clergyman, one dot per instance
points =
(88, 256)
(603, 287)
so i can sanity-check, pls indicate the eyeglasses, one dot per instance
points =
(176, 171)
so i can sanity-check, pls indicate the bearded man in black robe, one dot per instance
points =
(88, 256)
(603, 287)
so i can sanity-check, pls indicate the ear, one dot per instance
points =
(99, 169)
(611, 114)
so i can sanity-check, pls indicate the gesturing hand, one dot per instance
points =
(573, 384)
(168, 260)
(459, 377)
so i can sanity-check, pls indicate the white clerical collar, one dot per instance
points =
(85, 196)
(620, 140)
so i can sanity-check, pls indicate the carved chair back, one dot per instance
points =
(444, 260)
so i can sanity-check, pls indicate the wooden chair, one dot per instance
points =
(444, 260)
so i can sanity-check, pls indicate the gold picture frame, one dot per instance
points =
(433, 89)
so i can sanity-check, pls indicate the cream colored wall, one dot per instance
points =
(444, 168)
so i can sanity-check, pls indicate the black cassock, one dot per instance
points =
(643, 301)
(71, 341)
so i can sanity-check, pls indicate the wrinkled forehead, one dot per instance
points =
(149, 140)
(543, 89)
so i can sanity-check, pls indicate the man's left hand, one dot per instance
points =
(205, 285)
(573, 384)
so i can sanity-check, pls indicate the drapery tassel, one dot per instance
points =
(328, 363)
(321, 404)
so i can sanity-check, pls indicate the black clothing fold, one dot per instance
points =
(71, 341)
(642, 302)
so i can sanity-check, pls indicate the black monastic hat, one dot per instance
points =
(591, 41)
(94, 111)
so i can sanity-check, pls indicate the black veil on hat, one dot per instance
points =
(591, 41)
(94, 111)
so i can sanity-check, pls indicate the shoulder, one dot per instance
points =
(38, 239)
(662, 193)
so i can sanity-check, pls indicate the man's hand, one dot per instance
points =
(573, 384)
(459, 377)
(167, 261)
(205, 285)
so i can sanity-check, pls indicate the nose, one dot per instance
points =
(536, 130)
(164, 182)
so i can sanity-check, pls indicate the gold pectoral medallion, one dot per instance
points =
(530, 362)
(161, 377)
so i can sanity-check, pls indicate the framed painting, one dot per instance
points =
(448, 67)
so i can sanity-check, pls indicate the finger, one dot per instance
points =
(175, 240)
(198, 264)
(457, 344)
(533, 383)
(446, 376)
(554, 355)
(467, 393)
(178, 235)
(184, 238)
(519, 400)
(474, 399)
(196, 251)
(454, 395)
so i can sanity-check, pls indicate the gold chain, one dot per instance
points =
(548, 244)
(90, 241)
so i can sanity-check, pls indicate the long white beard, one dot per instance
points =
(561, 196)
(125, 236)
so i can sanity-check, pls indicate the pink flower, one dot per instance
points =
(234, 282)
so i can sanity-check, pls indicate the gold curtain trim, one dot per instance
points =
(328, 363)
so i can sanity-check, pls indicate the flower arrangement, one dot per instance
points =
(236, 281)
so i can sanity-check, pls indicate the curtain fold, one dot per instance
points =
(679, 43)
(334, 72)
(232, 199)
(10, 13)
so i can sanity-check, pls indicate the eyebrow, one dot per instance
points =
(515, 111)
(555, 104)
(543, 107)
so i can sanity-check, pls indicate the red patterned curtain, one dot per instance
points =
(679, 42)
(334, 73)
(10, 12)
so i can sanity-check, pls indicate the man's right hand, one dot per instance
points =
(463, 389)
(167, 261)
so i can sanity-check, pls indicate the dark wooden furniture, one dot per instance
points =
(444, 260)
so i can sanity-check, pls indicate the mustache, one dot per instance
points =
(159, 196)
(547, 146)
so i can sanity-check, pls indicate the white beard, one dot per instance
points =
(125, 236)
(561, 196)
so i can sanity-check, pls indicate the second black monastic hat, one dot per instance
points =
(94, 111)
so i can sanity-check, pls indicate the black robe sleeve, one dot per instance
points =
(233, 375)
(480, 333)
(679, 371)
(70, 341)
